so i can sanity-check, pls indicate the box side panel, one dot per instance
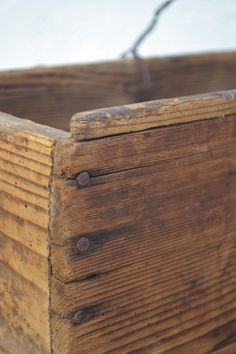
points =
(144, 255)
(25, 170)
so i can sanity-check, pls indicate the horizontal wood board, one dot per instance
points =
(148, 115)
(51, 96)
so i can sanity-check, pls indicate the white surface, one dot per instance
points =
(49, 32)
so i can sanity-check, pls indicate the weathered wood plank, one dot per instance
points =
(107, 235)
(26, 158)
(52, 95)
(158, 214)
(24, 309)
(144, 148)
(149, 115)
(139, 160)
(113, 287)
(155, 341)
(230, 349)
(24, 232)
(23, 260)
(221, 337)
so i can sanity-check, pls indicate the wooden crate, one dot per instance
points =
(120, 235)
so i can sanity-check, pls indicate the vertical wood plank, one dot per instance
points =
(26, 156)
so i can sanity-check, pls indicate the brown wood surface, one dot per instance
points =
(159, 215)
(217, 341)
(25, 172)
(230, 349)
(142, 116)
(52, 95)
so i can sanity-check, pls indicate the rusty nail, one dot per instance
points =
(83, 179)
(77, 318)
(83, 244)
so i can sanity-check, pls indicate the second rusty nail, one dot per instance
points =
(83, 244)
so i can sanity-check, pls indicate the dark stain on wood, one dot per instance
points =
(85, 315)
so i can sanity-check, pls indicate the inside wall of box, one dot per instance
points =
(50, 96)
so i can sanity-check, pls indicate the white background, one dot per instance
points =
(46, 32)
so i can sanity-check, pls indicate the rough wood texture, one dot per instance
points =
(139, 258)
(157, 272)
(142, 116)
(230, 349)
(52, 95)
(25, 172)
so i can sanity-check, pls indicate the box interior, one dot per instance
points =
(50, 96)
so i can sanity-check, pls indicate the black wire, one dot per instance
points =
(134, 48)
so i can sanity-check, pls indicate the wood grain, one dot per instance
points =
(220, 339)
(148, 115)
(230, 349)
(51, 96)
(156, 269)
(144, 149)
(25, 173)
(159, 216)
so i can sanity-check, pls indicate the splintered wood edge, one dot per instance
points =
(142, 116)
(12, 125)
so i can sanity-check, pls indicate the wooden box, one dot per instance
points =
(118, 234)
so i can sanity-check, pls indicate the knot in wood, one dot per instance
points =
(83, 244)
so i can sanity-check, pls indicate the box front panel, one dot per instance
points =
(143, 253)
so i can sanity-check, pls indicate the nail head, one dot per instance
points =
(83, 244)
(83, 179)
